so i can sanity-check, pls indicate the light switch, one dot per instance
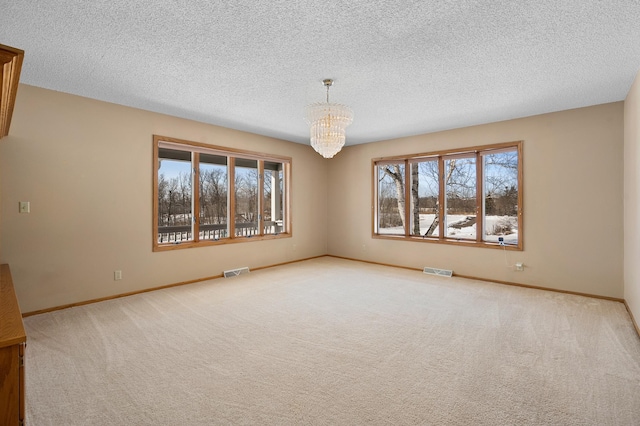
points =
(25, 207)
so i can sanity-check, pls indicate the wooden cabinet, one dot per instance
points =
(12, 345)
(10, 67)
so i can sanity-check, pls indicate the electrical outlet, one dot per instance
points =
(519, 266)
(117, 275)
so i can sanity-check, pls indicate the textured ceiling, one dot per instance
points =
(405, 67)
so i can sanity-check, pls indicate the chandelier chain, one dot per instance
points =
(327, 83)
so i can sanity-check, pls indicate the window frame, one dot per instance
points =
(441, 156)
(197, 148)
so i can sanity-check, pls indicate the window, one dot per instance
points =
(391, 199)
(206, 195)
(465, 196)
(460, 197)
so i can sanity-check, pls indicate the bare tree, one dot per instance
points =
(163, 198)
(415, 198)
(246, 194)
(387, 208)
(436, 219)
(396, 173)
(460, 181)
(184, 188)
(213, 193)
(501, 171)
(169, 194)
(500, 183)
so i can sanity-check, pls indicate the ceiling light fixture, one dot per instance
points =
(328, 123)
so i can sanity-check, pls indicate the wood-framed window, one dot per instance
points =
(471, 196)
(206, 195)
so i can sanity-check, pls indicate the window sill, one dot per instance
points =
(223, 241)
(449, 241)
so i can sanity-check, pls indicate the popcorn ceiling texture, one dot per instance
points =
(405, 67)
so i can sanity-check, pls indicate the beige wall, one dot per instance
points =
(85, 166)
(573, 202)
(632, 199)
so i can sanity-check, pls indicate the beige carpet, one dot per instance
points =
(329, 341)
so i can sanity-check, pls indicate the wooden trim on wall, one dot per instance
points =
(233, 157)
(231, 198)
(117, 296)
(147, 290)
(374, 198)
(446, 152)
(407, 199)
(195, 197)
(521, 196)
(480, 198)
(287, 214)
(219, 150)
(154, 190)
(478, 154)
(575, 293)
(87, 302)
(633, 320)
(11, 62)
(260, 200)
(410, 268)
(535, 287)
(442, 193)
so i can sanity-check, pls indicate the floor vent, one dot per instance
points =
(236, 272)
(438, 272)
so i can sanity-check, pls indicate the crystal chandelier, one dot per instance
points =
(328, 122)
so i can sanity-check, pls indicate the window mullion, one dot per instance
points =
(261, 197)
(520, 198)
(195, 202)
(479, 197)
(487, 219)
(286, 202)
(441, 199)
(407, 199)
(156, 202)
(194, 194)
(231, 195)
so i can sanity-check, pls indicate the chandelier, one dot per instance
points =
(328, 122)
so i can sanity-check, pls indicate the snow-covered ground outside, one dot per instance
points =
(468, 232)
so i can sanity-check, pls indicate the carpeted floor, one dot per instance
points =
(334, 342)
